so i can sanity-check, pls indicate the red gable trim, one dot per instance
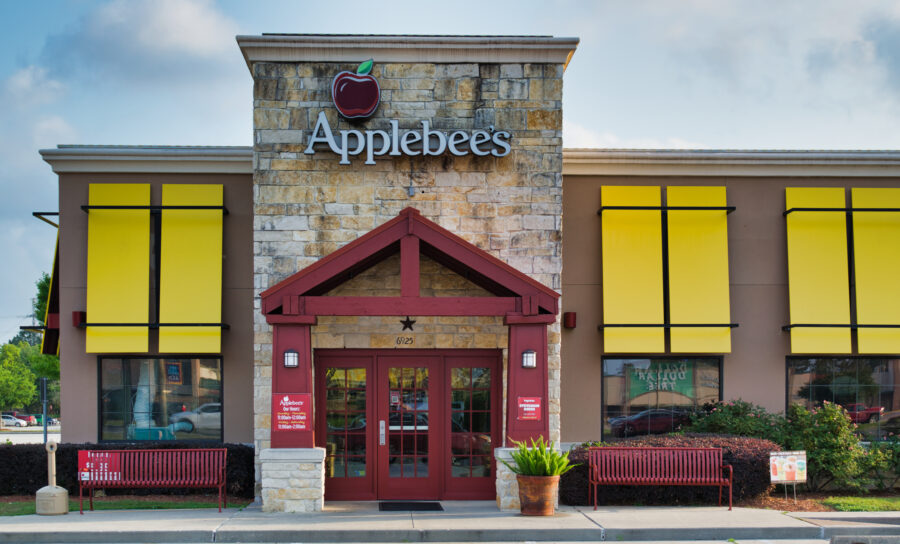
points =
(411, 223)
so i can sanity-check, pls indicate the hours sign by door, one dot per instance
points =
(529, 408)
(292, 411)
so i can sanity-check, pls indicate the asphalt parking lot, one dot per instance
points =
(28, 435)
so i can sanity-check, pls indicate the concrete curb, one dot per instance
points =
(123, 537)
(838, 535)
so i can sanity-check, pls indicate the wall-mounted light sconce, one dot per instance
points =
(529, 359)
(291, 359)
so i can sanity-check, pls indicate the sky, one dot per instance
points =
(705, 74)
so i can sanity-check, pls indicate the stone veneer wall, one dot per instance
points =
(307, 206)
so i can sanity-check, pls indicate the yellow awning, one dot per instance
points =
(632, 270)
(191, 269)
(818, 270)
(118, 268)
(876, 256)
(698, 270)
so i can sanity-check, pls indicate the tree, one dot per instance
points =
(17, 386)
(38, 312)
(39, 304)
(21, 359)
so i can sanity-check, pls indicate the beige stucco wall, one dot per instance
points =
(78, 370)
(755, 370)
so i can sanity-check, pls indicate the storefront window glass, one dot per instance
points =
(866, 387)
(160, 399)
(655, 395)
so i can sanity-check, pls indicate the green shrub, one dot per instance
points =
(834, 454)
(740, 418)
(887, 472)
(541, 459)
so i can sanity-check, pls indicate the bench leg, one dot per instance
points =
(729, 495)
(720, 495)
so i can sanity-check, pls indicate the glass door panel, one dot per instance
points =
(406, 454)
(343, 415)
(472, 425)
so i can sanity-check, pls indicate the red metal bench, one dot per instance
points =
(200, 468)
(658, 466)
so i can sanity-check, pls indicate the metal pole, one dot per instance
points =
(44, 403)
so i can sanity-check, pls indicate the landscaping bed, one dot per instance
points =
(17, 505)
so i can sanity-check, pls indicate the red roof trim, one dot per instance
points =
(409, 221)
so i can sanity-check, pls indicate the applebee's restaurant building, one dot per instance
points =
(406, 273)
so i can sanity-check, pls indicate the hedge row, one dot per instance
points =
(23, 469)
(748, 456)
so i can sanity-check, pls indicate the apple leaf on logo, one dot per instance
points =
(365, 67)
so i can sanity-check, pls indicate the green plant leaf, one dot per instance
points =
(365, 67)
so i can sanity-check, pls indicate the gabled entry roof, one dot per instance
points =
(410, 234)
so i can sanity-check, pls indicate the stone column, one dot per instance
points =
(507, 486)
(293, 479)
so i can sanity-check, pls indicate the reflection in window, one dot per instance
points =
(651, 396)
(160, 399)
(865, 387)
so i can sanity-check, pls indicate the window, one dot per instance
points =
(160, 399)
(865, 387)
(652, 396)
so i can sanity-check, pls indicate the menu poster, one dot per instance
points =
(529, 408)
(291, 411)
(787, 467)
(103, 466)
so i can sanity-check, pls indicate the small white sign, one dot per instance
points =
(787, 467)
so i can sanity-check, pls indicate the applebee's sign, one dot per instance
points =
(357, 96)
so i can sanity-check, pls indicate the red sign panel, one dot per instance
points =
(529, 408)
(104, 466)
(291, 411)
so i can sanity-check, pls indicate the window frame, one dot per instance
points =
(157, 357)
(603, 405)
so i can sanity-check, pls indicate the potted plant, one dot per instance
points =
(538, 468)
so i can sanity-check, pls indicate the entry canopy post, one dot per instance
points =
(527, 395)
(292, 342)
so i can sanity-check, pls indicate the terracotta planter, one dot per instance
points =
(537, 494)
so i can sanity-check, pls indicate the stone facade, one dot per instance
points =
(308, 205)
(292, 480)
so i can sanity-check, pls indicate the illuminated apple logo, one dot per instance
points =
(356, 95)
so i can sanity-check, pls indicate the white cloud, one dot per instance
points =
(31, 86)
(577, 136)
(144, 42)
(189, 27)
(50, 130)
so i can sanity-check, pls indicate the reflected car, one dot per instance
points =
(208, 417)
(654, 421)
(10, 421)
(860, 413)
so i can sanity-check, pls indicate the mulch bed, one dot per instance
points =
(806, 502)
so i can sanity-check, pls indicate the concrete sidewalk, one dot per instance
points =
(461, 521)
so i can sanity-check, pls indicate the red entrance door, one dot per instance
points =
(409, 411)
(410, 424)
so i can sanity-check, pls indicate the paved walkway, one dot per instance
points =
(461, 521)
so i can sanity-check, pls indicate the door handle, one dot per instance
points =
(381, 433)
